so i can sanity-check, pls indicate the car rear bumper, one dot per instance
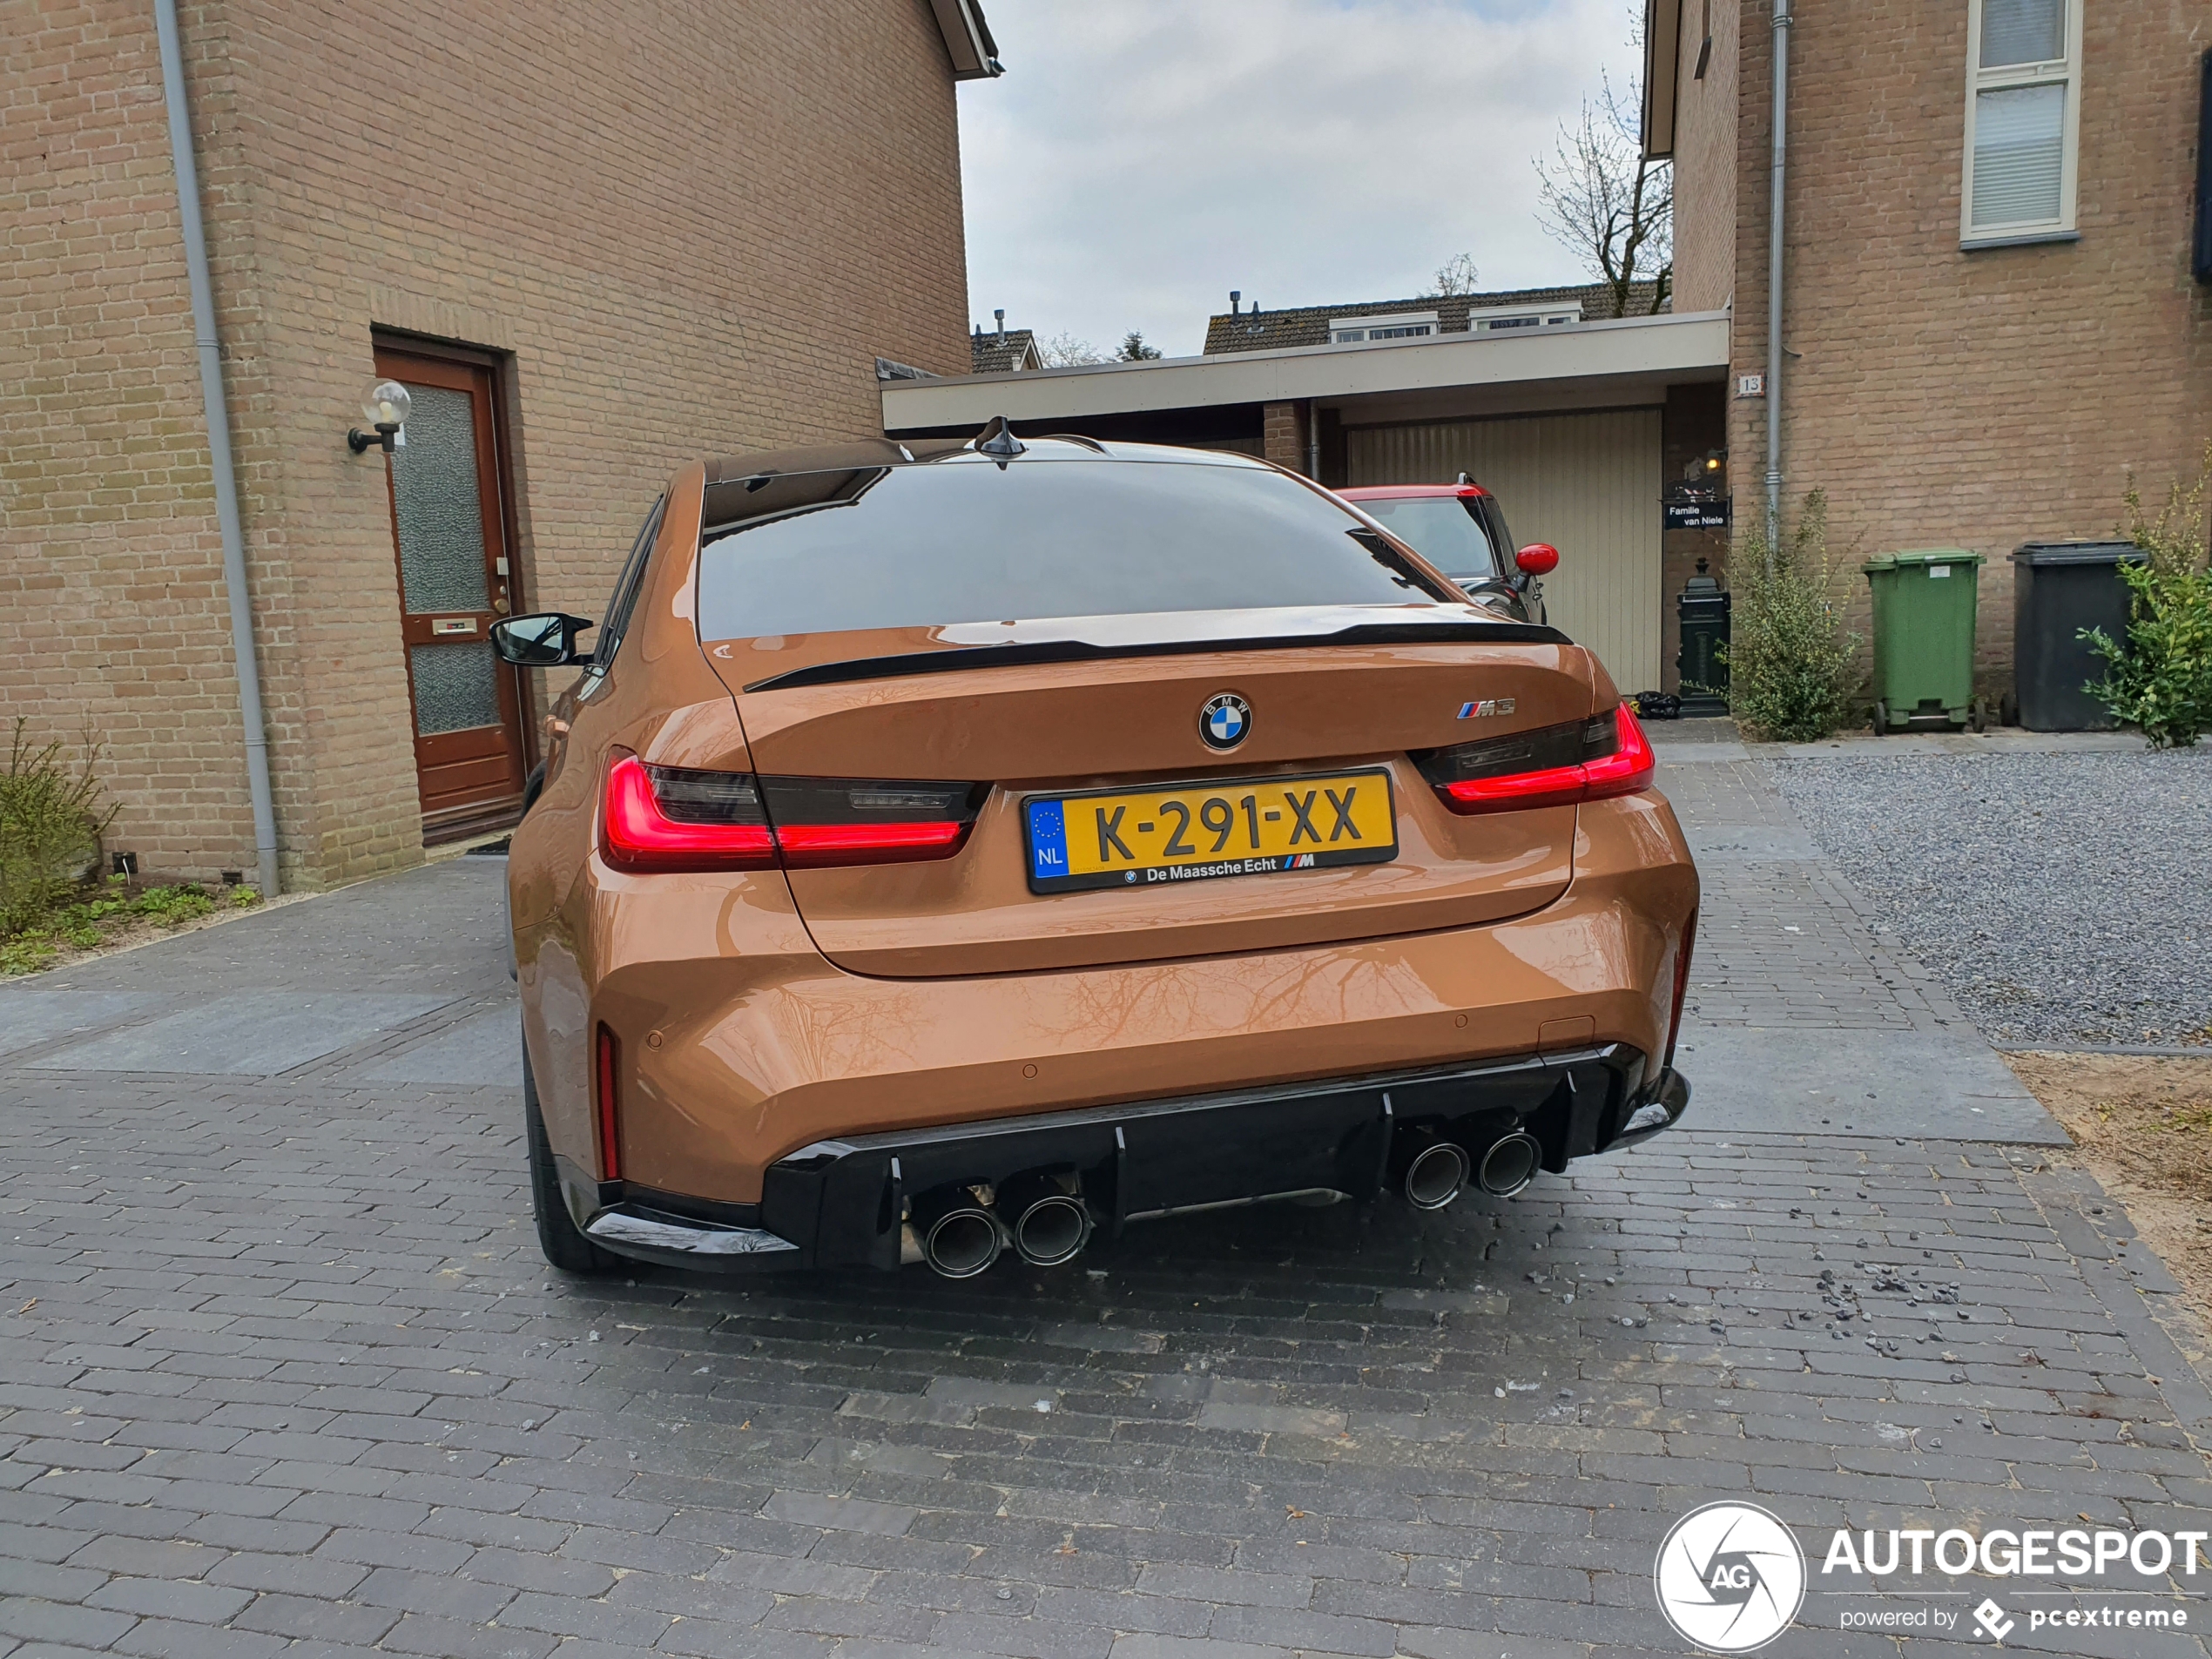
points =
(854, 1201)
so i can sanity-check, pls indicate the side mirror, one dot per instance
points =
(547, 640)
(1538, 558)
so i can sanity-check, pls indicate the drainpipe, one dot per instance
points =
(1313, 440)
(219, 447)
(1782, 22)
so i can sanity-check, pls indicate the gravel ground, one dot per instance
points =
(2078, 905)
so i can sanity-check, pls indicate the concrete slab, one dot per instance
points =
(29, 1017)
(1697, 751)
(483, 1049)
(438, 930)
(254, 1033)
(1798, 1080)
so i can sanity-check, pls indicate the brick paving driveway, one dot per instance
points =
(282, 1372)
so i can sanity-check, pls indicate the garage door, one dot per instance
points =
(1587, 483)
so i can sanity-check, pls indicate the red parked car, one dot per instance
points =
(1460, 529)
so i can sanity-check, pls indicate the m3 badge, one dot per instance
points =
(1485, 709)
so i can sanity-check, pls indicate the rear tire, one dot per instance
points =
(563, 1241)
(1881, 719)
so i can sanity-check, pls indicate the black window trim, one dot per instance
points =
(614, 627)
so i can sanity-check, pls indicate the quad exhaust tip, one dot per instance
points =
(1052, 1230)
(1510, 1165)
(1435, 1175)
(962, 1243)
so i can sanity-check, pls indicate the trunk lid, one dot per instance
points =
(1044, 711)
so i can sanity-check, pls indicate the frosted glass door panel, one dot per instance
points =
(438, 504)
(456, 687)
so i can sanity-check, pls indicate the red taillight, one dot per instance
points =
(610, 1059)
(662, 819)
(815, 844)
(637, 832)
(1610, 756)
(1682, 983)
(1628, 770)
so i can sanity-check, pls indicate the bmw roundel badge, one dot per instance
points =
(1226, 720)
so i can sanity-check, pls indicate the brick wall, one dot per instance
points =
(1705, 158)
(1282, 435)
(113, 618)
(1980, 399)
(690, 228)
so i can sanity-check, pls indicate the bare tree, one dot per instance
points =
(1610, 204)
(1456, 275)
(1064, 350)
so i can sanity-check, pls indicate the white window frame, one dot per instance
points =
(1522, 318)
(2067, 72)
(1353, 331)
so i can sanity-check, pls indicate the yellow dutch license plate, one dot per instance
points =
(1197, 831)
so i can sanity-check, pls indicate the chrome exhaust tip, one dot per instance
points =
(1052, 1230)
(1435, 1175)
(1510, 1165)
(962, 1243)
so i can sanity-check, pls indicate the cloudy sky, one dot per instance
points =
(1141, 158)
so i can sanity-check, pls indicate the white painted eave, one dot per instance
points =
(1692, 346)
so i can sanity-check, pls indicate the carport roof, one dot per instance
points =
(1637, 355)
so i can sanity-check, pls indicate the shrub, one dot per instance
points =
(1791, 668)
(50, 828)
(2161, 681)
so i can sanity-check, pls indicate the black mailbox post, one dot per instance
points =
(1702, 609)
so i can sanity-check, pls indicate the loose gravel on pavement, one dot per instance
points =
(2060, 897)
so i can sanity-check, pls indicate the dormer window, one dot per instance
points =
(1515, 320)
(1352, 331)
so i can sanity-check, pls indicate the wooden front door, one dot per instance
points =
(449, 534)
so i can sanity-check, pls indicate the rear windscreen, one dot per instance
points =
(1444, 529)
(965, 541)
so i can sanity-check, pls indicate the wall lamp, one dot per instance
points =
(386, 406)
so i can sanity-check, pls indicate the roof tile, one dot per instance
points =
(1258, 330)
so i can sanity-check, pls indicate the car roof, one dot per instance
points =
(891, 452)
(804, 475)
(1409, 492)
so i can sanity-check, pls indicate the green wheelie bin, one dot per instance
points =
(1923, 638)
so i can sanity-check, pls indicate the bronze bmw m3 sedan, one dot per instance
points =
(964, 847)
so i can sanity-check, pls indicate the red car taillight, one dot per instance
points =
(661, 819)
(1552, 766)
(683, 820)
(835, 820)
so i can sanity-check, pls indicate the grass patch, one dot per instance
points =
(113, 915)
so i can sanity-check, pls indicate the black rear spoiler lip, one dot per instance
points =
(1018, 654)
